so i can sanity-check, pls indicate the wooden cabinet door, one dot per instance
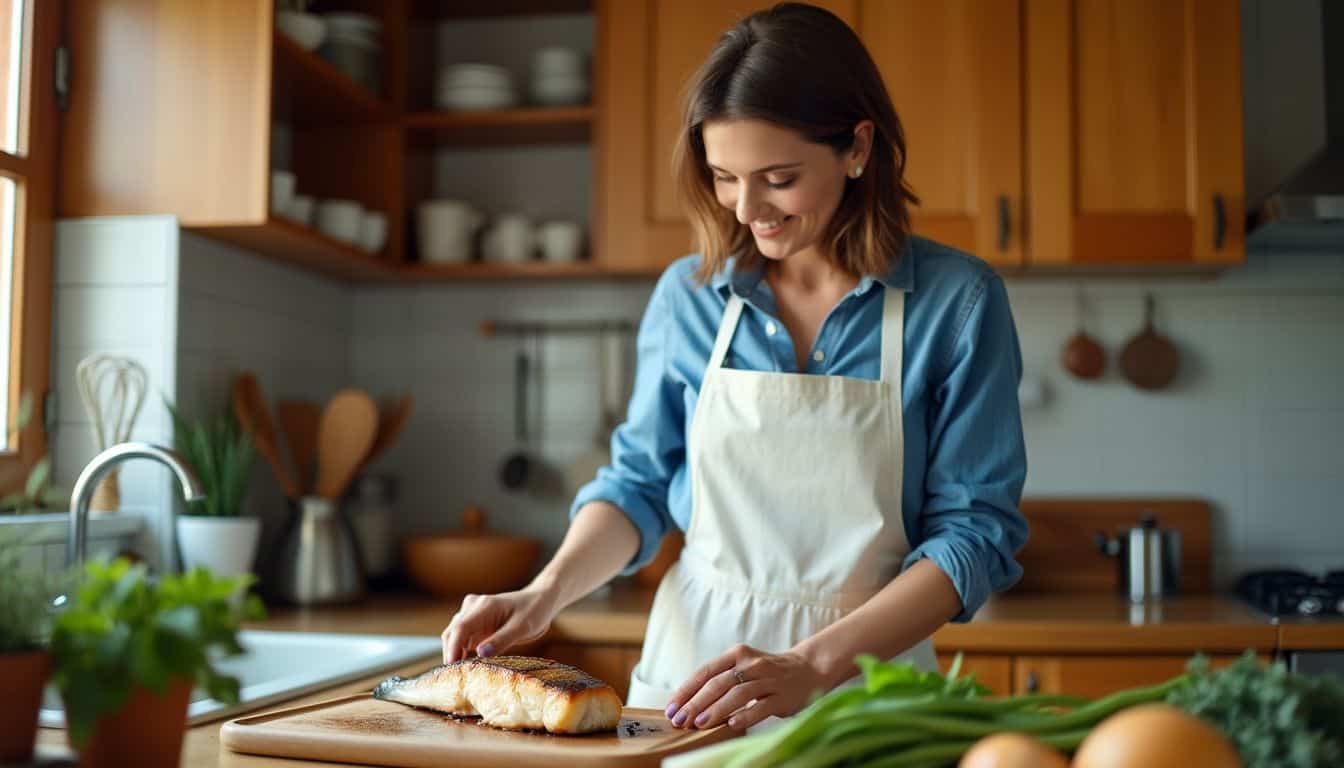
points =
(1134, 132)
(647, 51)
(169, 110)
(610, 663)
(954, 71)
(993, 671)
(1095, 676)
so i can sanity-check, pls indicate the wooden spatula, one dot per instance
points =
(299, 420)
(249, 405)
(345, 434)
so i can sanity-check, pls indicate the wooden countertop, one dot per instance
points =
(1034, 624)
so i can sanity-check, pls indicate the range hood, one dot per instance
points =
(1294, 104)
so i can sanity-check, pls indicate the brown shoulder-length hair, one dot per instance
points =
(800, 67)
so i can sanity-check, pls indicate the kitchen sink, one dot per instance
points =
(282, 665)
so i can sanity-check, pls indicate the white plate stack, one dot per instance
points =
(353, 46)
(470, 86)
(559, 77)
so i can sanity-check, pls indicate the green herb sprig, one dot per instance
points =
(1275, 717)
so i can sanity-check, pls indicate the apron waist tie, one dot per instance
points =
(696, 568)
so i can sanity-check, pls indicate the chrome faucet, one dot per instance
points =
(77, 544)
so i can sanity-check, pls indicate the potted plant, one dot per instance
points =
(128, 650)
(212, 533)
(25, 609)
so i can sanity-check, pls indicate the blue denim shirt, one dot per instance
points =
(965, 460)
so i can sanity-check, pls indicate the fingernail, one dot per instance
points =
(671, 709)
(486, 649)
(701, 719)
(679, 719)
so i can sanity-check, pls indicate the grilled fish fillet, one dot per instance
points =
(512, 692)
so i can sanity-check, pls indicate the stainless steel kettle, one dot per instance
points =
(1148, 559)
(318, 561)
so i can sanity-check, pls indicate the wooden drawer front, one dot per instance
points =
(996, 672)
(611, 663)
(1095, 676)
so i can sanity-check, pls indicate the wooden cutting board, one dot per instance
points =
(362, 729)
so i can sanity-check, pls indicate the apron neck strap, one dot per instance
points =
(727, 327)
(893, 332)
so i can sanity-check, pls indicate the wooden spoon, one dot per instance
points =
(391, 420)
(1149, 360)
(299, 420)
(249, 405)
(345, 434)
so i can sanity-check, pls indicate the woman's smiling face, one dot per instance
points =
(782, 186)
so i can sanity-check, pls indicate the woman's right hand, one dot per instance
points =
(491, 624)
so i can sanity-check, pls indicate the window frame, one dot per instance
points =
(34, 241)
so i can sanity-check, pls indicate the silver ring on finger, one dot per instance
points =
(737, 674)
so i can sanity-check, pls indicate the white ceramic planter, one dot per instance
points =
(225, 545)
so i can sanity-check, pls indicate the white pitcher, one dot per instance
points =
(447, 228)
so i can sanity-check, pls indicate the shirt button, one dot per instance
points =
(818, 355)
(770, 329)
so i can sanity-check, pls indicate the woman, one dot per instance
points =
(826, 404)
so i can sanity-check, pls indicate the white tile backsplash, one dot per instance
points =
(1250, 425)
(116, 250)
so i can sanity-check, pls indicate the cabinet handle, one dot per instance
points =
(1005, 222)
(1219, 222)
(1033, 683)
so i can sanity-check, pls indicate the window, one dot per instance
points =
(29, 30)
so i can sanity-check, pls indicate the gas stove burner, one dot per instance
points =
(1294, 593)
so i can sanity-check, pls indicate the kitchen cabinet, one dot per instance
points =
(171, 109)
(1045, 134)
(1134, 133)
(952, 70)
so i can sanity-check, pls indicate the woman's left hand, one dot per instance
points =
(780, 684)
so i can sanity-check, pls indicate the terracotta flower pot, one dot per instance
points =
(147, 732)
(24, 674)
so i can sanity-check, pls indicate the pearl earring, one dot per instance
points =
(858, 171)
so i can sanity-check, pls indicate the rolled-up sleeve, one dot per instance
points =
(649, 448)
(971, 526)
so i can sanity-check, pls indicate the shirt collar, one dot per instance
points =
(743, 282)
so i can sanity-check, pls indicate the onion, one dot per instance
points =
(1155, 736)
(1011, 750)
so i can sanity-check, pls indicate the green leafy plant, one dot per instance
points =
(25, 601)
(123, 630)
(221, 454)
(38, 494)
(1275, 717)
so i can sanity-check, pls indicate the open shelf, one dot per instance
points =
(293, 243)
(525, 125)
(518, 271)
(308, 90)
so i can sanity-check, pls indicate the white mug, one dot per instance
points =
(512, 238)
(340, 219)
(447, 228)
(561, 240)
(373, 231)
(301, 209)
(282, 191)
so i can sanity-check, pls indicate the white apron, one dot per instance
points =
(795, 511)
